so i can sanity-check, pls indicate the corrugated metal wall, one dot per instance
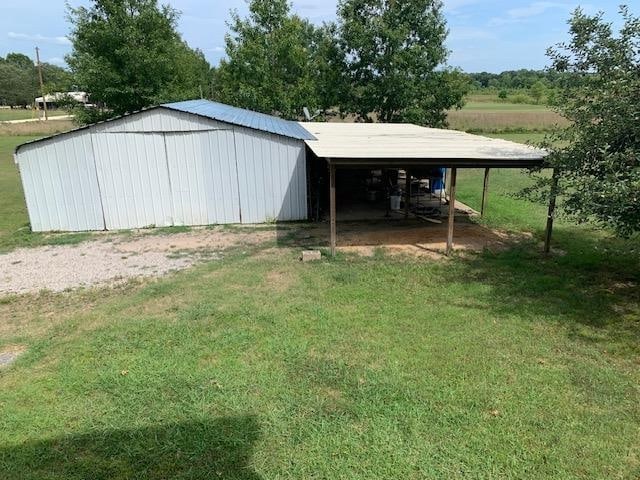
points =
(272, 176)
(133, 179)
(204, 178)
(162, 168)
(60, 185)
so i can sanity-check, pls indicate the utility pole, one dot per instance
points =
(44, 100)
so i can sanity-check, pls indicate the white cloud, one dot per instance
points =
(452, 6)
(520, 14)
(533, 9)
(39, 38)
(217, 49)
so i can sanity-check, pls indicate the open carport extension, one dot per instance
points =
(403, 146)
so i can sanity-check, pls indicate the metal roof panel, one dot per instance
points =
(242, 117)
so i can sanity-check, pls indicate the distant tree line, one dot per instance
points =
(519, 79)
(525, 86)
(19, 85)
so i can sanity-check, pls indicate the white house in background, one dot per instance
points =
(53, 99)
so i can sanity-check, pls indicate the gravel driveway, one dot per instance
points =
(97, 262)
(57, 268)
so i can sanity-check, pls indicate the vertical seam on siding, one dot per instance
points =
(235, 154)
(95, 166)
(51, 170)
(166, 162)
(222, 165)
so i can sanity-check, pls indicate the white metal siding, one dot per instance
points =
(272, 176)
(159, 120)
(133, 177)
(60, 185)
(163, 167)
(204, 178)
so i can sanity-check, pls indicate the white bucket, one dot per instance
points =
(395, 202)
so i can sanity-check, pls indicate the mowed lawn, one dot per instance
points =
(497, 365)
(13, 211)
(7, 114)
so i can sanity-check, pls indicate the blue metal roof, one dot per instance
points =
(242, 117)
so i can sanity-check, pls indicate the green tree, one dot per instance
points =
(16, 86)
(19, 84)
(128, 55)
(56, 79)
(20, 60)
(537, 91)
(598, 155)
(396, 61)
(276, 62)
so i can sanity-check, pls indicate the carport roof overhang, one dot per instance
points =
(404, 145)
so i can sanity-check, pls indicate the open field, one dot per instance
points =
(475, 106)
(504, 364)
(21, 114)
(504, 117)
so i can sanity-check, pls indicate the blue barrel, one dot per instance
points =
(436, 181)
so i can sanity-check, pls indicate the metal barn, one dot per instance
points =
(187, 163)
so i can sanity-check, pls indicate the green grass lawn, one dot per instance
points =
(13, 211)
(20, 114)
(528, 137)
(497, 365)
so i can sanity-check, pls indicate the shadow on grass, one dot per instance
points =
(595, 284)
(197, 450)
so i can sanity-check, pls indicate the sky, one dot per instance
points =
(484, 35)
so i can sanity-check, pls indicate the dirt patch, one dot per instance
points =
(467, 236)
(271, 253)
(361, 250)
(10, 354)
(412, 237)
(279, 280)
(196, 240)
